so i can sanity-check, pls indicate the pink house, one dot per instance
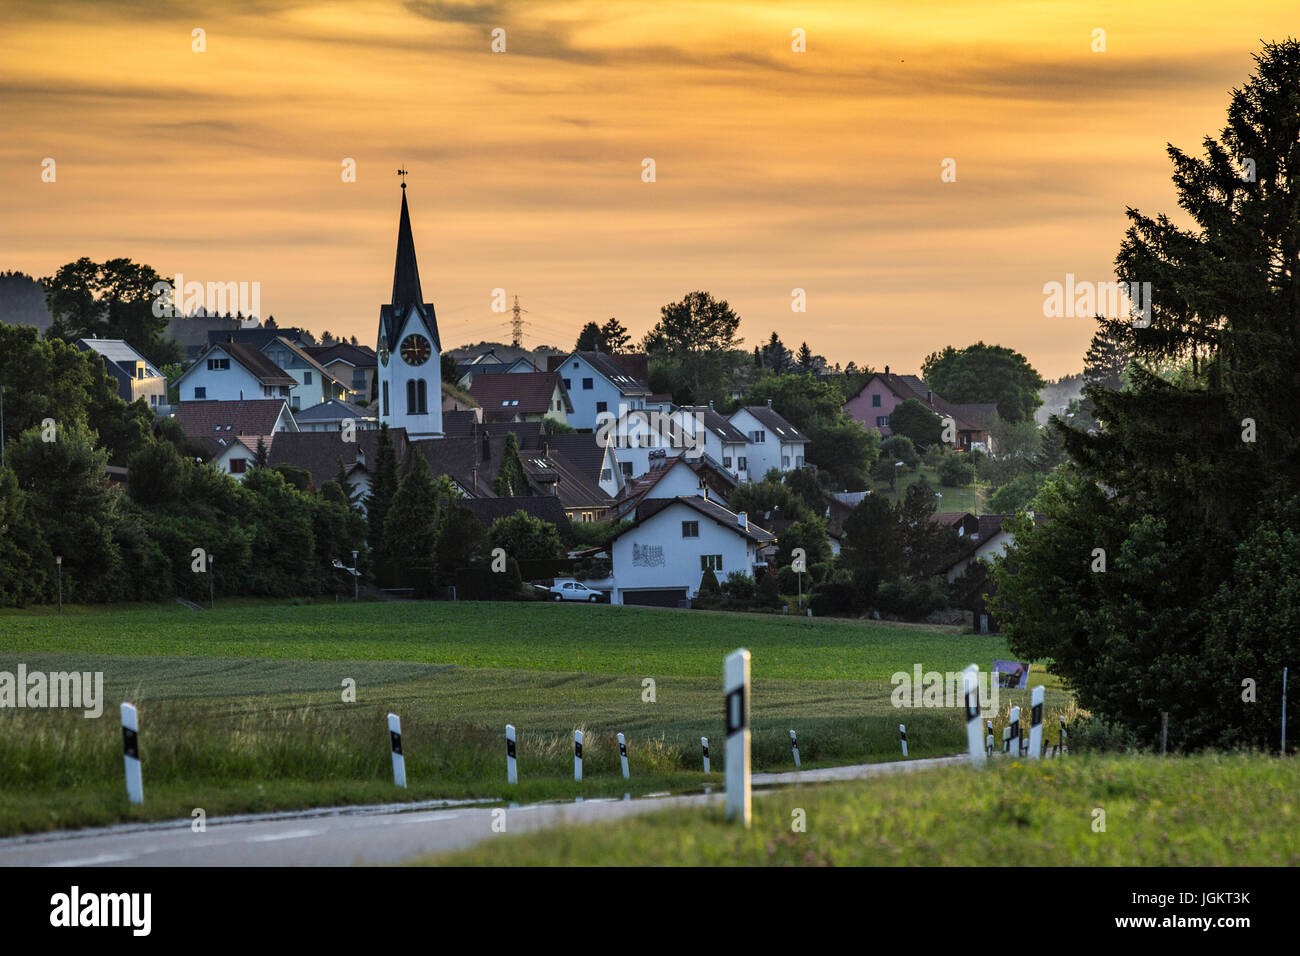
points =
(883, 392)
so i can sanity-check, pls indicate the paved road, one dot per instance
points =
(340, 836)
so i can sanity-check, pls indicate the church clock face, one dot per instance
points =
(415, 350)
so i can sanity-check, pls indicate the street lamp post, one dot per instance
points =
(212, 586)
(356, 582)
(58, 560)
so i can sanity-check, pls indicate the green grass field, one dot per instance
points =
(1189, 811)
(242, 708)
(972, 498)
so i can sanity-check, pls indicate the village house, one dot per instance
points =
(526, 397)
(332, 415)
(314, 383)
(883, 392)
(353, 365)
(234, 371)
(772, 442)
(598, 384)
(134, 377)
(660, 559)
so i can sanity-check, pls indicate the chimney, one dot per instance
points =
(710, 404)
(769, 403)
(886, 371)
(742, 519)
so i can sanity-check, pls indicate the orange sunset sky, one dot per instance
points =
(775, 169)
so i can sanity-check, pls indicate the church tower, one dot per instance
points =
(410, 353)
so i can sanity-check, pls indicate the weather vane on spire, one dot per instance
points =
(403, 173)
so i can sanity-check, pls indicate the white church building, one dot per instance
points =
(410, 351)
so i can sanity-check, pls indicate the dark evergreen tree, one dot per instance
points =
(382, 488)
(1197, 463)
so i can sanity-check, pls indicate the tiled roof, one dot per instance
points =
(471, 462)
(965, 417)
(321, 452)
(213, 419)
(580, 450)
(710, 509)
(716, 423)
(626, 371)
(334, 410)
(251, 358)
(525, 393)
(774, 423)
(554, 474)
(299, 351)
(361, 356)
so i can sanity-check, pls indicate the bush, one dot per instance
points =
(1091, 733)
(835, 597)
(769, 594)
(709, 585)
(899, 448)
(955, 471)
(787, 581)
(740, 586)
(912, 599)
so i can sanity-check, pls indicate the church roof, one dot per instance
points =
(407, 294)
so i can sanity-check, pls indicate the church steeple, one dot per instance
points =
(406, 274)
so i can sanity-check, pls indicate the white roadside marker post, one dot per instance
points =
(989, 740)
(131, 753)
(1062, 743)
(1014, 748)
(902, 738)
(622, 755)
(970, 684)
(577, 755)
(1036, 724)
(512, 773)
(1006, 740)
(794, 746)
(399, 761)
(704, 746)
(735, 685)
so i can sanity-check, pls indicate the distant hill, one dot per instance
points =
(22, 301)
(506, 353)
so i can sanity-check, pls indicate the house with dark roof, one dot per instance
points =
(672, 478)
(214, 421)
(594, 460)
(471, 463)
(885, 391)
(661, 557)
(550, 473)
(231, 430)
(600, 385)
(525, 397)
(135, 377)
(321, 454)
(772, 442)
(488, 363)
(353, 365)
(314, 382)
(334, 415)
(234, 371)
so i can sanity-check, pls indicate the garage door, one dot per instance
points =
(660, 597)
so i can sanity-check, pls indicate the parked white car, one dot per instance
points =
(574, 591)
